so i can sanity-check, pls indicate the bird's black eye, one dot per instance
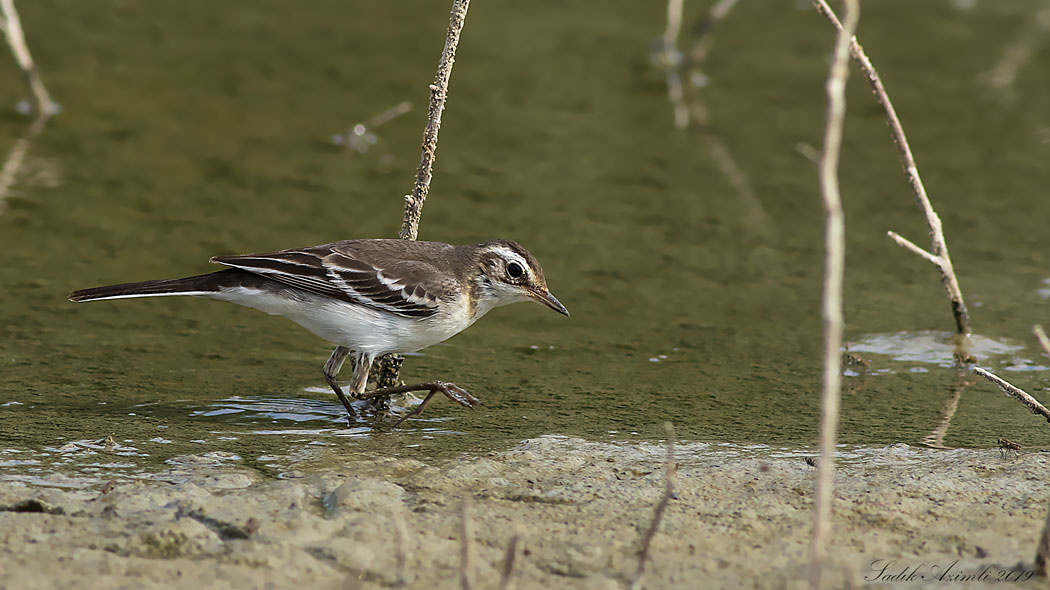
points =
(515, 270)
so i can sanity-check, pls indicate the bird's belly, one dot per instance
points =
(357, 327)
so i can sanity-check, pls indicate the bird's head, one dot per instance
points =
(509, 273)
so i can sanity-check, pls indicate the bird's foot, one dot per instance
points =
(450, 390)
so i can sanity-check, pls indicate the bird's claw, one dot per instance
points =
(457, 394)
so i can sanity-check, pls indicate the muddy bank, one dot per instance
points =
(741, 519)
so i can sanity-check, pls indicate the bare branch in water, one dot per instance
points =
(389, 366)
(911, 171)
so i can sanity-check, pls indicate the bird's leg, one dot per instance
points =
(451, 391)
(362, 366)
(331, 369)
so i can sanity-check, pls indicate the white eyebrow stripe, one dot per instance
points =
(509, 255)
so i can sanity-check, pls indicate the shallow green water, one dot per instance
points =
(189, 132)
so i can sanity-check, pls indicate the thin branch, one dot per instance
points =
(466, 532)
(1042, 551)
(438, 92)
(12, 27)
(835, 246)
(906, 243)
(911, 171)
(1018, 394)
(506, 581)
(658, 514)
(389, 366)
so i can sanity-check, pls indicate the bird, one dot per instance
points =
(369, 297)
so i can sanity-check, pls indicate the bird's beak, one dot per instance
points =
(544, 296)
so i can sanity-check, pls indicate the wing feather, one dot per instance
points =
(357, 272)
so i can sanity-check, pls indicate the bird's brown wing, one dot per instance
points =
(366, 272)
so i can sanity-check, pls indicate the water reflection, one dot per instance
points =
(933, 347)
(268, 409)
(15, 166)
(275, 409)
(936, 438)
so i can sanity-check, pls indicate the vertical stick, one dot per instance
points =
(12, 26)
(1042, 550)
(389, 366)
(438, 92)
(832, 305)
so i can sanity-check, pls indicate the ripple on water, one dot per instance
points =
(938, 348)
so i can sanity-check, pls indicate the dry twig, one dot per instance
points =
(1017, 393)
(506, 581)
(438, 92)
(658, 514)
(835, 248)
(12, 27)
(939, 254)
(390, 365)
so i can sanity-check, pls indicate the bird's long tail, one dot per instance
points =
(201, 285)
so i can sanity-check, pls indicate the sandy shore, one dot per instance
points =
(904, 517)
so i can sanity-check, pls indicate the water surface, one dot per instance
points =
(190, 131)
